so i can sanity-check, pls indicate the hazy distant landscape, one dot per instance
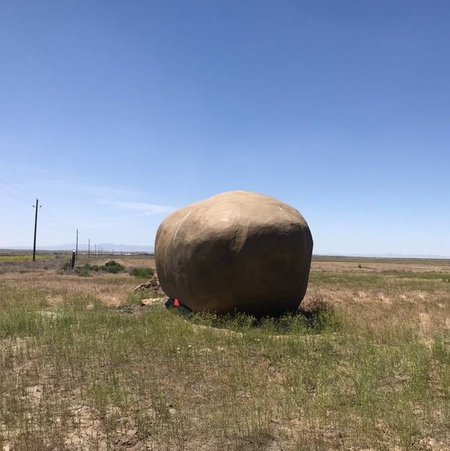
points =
(106, 247)
(111, 248)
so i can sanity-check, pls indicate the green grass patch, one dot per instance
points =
(86, 269)
(419, 275)
(142, 273)
(231, 384)
(349, 279)
(19, 258)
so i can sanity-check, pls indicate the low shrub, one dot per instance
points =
(85, 270)
(142, 273)
(113, 267)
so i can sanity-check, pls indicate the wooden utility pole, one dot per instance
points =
(35, 228)
(76, 246)
(89, 247)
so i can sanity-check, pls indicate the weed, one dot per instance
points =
(85, 270)
(142, 273)
(113, 267)
(66, 266)
(136, 297)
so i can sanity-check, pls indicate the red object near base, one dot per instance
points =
(176, 303)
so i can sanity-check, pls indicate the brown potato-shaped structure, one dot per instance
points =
(235, 252)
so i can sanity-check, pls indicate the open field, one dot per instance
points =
(365, 366)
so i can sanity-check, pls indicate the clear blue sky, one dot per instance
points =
(114, 113)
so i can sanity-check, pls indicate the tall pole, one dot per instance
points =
(35, 228)
(89, 247)
(76, 246)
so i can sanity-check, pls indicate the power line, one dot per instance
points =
(13, 196)
(14, 192)
(16, 188)
(20, 196)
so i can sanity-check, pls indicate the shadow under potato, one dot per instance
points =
(312, 319)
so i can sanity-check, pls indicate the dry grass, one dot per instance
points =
(61, 286)
(365, 366)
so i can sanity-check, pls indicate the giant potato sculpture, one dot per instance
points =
(235, 252)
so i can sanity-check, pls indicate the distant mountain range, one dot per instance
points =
(104, 247)
(387, 256)
(111, 247)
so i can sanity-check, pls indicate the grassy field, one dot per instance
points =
(364, 366)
